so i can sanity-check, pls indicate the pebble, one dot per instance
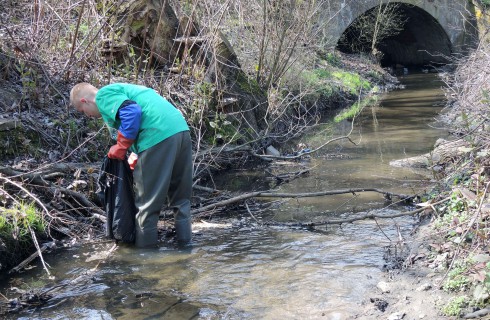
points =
(424, 287)
(396, 316)
(383, 286)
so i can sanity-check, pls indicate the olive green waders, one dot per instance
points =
(164, 173)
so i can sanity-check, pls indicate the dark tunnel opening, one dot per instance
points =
(412, 38)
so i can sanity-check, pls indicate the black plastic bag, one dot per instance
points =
(115, 190)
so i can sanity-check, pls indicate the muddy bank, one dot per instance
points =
(445, 274)
(413, 289)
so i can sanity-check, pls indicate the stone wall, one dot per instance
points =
(456, 18)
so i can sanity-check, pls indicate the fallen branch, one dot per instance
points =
(349, 220)
(46, 211)
(203, 211)
(23, 264)
(362, 217)
(33, 235)
(388, 195)
(39, 250)
(38, 179)
(45, 172)
(347, 137)
(287, 177)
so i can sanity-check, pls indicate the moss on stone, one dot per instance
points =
(248, 85)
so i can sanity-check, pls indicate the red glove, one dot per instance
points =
(118, 151)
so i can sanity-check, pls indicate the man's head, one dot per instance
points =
(82, 98)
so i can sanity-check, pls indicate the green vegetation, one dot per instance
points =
(248, 84)
(224, 131)
(481, 294)
(355, 109)
(334, 59)
(457, 279)
(318, 83)
(313, 80)
(451, 212)
(203, 96)
(325, 82)
(454, 306)
(13, 142)
(17, 222)
(28, 77)
(352, 82)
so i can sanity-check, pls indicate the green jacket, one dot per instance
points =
(159, 118)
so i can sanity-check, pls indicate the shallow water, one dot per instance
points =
(254, 272)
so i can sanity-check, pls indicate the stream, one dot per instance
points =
(244, 270)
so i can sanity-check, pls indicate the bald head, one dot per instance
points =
(82, 98)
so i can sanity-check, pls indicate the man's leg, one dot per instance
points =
(180, 190)
(152, 176)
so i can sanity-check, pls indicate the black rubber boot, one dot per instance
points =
(146, 238)
(183, 230)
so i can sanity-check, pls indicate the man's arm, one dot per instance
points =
(130, 115)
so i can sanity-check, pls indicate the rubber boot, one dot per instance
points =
(147, 237)
(183, 230)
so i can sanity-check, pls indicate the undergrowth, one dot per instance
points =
(18, 225)
(463, 219)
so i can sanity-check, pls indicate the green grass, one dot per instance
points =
(454, 306)
(355, 109)
(326, 82)
(248, 85)
(352, 82)
(455, 208)
(457, 279)
(15, 222)
(333, 59)
(318, 82)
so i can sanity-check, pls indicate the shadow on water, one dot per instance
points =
(249, 271)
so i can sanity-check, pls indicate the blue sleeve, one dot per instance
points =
(130, 116)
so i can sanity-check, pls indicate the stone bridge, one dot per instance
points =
(433, 31)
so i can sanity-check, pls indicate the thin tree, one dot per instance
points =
(371, 28)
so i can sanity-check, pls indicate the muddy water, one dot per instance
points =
(245, 271)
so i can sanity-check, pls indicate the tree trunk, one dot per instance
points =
(233, 84)
(149, 26)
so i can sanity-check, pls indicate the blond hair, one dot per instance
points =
(82, 90)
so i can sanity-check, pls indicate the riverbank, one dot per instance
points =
(412, 292)
(419, 290)
(446, 275)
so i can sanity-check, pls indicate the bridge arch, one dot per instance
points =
(435, 29)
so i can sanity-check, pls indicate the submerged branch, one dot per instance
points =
(204, 211)
(349, 220)
(362, 217)
(38, 253)
(37, 298)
